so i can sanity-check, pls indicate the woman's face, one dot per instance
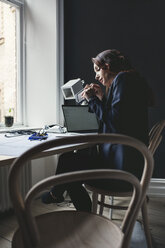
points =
(103, 75)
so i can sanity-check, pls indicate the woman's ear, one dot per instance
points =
(107, 67)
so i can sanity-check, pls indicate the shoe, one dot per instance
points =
(48, 198)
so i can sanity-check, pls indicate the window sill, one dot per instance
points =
(16, 127)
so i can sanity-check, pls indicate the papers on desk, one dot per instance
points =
(15, 146)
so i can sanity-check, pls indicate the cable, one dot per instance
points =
(11, 134)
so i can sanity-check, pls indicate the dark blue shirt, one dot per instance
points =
(123, 111)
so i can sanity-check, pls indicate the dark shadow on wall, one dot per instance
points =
(136, 27)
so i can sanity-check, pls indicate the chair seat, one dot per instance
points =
(74, 229)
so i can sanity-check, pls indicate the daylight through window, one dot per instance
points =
(10, 62)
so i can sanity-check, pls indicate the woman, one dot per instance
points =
(121, 108)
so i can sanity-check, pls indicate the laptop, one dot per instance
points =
(78, 119)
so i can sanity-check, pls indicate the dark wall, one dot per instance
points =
(135, 27)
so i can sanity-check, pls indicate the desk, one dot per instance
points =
(11, 148)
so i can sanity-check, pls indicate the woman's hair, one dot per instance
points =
(117, 61)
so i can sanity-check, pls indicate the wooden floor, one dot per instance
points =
(156, 208)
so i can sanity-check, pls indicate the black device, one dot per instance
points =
(79, 119)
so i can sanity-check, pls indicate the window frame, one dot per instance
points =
(21, 96)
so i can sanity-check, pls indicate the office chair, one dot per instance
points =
(155, 138)
(72, 229)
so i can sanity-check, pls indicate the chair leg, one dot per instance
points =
(146, 223)
(111, 210)
(94, 202)
(102, 204)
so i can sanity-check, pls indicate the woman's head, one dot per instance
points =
(109, 63)
(115, 59)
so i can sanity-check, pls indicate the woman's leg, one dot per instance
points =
(75, 162)
(69, 162)
(80, 197)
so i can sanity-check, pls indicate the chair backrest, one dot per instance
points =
(23, 207)
(155, 136)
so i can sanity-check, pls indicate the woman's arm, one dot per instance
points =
(109, 110)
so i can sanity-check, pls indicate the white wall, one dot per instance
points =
(42, 78)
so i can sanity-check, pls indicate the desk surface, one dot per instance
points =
(11, 148)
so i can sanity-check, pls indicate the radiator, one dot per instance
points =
(25, 184)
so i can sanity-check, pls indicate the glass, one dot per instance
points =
(8, 62)
(9, 117)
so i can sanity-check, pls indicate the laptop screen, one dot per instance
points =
(78, 119)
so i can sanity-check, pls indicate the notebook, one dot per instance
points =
(79, 119)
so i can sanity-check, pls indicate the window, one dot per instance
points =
(11, 60)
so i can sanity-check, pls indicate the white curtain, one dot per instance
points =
(44, 61)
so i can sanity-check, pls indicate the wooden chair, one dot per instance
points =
(72, 229)
(155, 138)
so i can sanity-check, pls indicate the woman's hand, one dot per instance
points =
(88, 92)
(98, 91)
(91, 90)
